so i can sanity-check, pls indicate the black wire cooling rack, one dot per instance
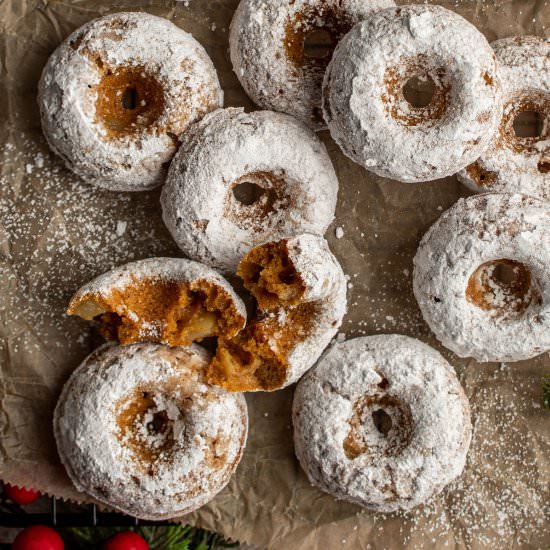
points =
(13, 515)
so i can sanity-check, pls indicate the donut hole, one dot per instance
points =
(318, 43)
(248, 192)
(253, 200)
(129, 101)
(504, 288)
(171, 312)
(269, 275)
(419, 91)
(382, 420)
(380, 424)
(528, 124)
(147, 423)
(130, 98)
(416, 91)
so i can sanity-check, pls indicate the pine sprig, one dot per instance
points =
(172, 537)
(546, 392)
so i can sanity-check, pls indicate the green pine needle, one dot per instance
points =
(172, 537)
(546, 392)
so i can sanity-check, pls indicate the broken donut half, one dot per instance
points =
(300, 289)
(167, 300)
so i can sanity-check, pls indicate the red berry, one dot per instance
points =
(20, 495)
(38, 537)
(126, 540)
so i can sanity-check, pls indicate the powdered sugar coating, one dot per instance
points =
(326, 287)
(68, 97)
(228, 147)
(155, 269)
(207, 428)
(522, 166)
(267, 50)
(365, 107)
(426, 445)
(476, 230)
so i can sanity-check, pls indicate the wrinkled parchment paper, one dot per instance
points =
(56, 233)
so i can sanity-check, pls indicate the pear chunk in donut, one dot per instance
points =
(169, 300)
(301, 293)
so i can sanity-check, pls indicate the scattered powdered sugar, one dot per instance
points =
(339, 232)
(56, 233)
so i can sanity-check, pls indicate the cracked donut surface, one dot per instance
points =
(381, 421)
(117, 93)
(139, 430)
(369, 114)
(482, 277)
(300, 289)
(169, 300)
(518, 160)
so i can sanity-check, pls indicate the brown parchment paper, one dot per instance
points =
(56, 233)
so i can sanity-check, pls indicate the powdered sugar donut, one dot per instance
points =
(270, 53)
(301, 293)
(169, 300)
(364, 100)
(116, 95)
(245, 178)
(381, 421)
(482, 277)
(514, 163)
(139, 430)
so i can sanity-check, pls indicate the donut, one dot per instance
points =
(482, 277)
(516, 163)
(280, 50)
(242, 179)
(412, 138)
(167, 300)
(116, 95)
(139, 430)
(300, 290)
(381, 421)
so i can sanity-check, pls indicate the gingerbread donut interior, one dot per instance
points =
(257, 357)
(269, 275)
(504, 288)
(155, 310)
